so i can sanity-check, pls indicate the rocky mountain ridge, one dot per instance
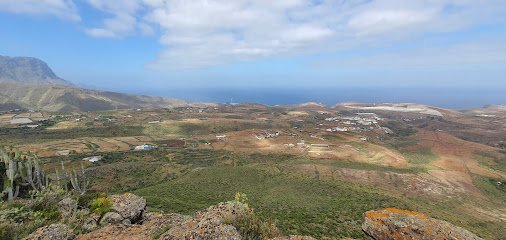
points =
(28, 70)
(29, 83)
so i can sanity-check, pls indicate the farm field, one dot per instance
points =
(310, 169)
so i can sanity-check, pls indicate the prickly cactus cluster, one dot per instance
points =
(21, 171)
(24, 171)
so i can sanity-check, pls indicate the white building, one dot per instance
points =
(93, 159)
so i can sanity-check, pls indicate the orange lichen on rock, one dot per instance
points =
(392, 223)
(407, 212)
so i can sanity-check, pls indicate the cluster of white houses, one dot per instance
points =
(362, 122)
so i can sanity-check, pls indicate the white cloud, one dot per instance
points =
(476, 52)
(123, 21)
(200, 33)
(210, 32)
(64, 9)
(384, 21)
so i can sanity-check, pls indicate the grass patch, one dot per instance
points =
(495, 189)
(333, 137)
(420, 156)
(12, 136)
(495, 161)
(299, 205)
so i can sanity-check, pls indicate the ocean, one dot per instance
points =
(457, 98)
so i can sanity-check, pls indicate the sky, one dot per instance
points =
(153, 46)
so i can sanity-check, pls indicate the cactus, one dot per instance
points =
(27, 172)
(62, 179)
(31, 173)
(21, 171)
(11, 188)
(79, 181)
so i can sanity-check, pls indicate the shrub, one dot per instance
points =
(46, 202)
(15, 214)
(249, 225)
(48, 197)
(7, 231)
(84, 201)
(101, 205)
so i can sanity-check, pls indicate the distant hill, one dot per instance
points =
(62, 98)
(28, 70)
(29, 83)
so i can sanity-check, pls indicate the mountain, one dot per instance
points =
(28, 70)
(68, 99)
(29, 83)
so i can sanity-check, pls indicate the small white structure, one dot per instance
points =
(93, 159)
(221, 137)
(144, 147)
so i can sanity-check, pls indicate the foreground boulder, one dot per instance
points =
(127, 209)
(153, 226)
(52, 232)
(212, 223)
(393, 223)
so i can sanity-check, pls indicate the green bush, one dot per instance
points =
(101, 205)
(84, 201)
(7, 231)
(46, 201)
(15, 214)
(249, 225)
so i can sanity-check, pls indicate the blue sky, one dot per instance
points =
(149, 45)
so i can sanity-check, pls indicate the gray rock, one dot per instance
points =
(129, 206)
(91, 223)
(52, 232)
(111, 218)
(67, 207)
(208, 224)
(126, 222)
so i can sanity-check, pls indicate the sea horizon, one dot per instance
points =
(454, 98)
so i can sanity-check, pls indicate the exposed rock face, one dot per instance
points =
(52, 232)
(127, 207)
(208, 224)
(67, 207)
(393, 223)
(28, 70)
(29, 83)
(155, 225)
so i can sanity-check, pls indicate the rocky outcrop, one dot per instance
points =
(128, 219)
(393, 223)
(127, 209)
(52, 232)
(215, 222)
(212, 223)
(154, 225)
